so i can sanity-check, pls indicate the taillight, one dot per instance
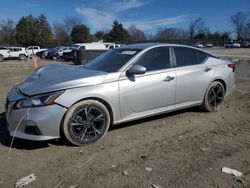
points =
(232, 66)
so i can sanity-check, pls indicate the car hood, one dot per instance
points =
(54, 77)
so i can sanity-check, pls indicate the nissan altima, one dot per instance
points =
(79, 103)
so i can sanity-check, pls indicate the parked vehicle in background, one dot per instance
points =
(42, 54)
(18, 52)
(68, 56)
(57, 54)
(51, 51)
(33, 50)
(209, 45)
(110, 46)
(89, 46)
(124, 84)
(4, 53)
(232, 45)
(85, 52)
(199, 45)
(245, 44)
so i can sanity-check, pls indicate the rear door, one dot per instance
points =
(193, 75)
(14, 52)
(147, 93)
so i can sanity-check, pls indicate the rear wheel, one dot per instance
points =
(1, 58)
(22, 57)
(86, 122)
(214, 97)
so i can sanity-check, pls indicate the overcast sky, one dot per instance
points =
(148, 15)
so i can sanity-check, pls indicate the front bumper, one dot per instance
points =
(36, 123)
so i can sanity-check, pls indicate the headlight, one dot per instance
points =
(41, 100)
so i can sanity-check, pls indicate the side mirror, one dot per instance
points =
(136, 69)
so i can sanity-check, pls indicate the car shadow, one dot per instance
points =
(5, 138)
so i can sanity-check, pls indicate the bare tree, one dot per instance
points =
(69, 22)
(7, 31)
(171, 34)
(63, 29)
(246, 31)
(136, 34)
(239, 21)
(62, 38)
(196, 26)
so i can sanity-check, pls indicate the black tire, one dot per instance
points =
(22, 57)
(214, 97)
(1, 58)
(86, 122)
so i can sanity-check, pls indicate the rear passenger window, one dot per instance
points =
(201, 56)
(155, 59)
(185, 56)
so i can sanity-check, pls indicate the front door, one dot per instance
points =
(148, 93)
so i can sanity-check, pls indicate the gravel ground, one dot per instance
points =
(187, 148)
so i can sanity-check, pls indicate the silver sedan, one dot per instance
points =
(79, 103)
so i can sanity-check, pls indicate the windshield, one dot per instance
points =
(75, 46)
(112, 60)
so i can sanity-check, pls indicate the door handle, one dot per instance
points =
(207, 69)
(169, 78)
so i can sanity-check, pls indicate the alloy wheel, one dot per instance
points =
(215, 96)
(87, 123)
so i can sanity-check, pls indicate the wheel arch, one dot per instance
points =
(23, 55)
(104, 102)
(216, 80)
(221, 81)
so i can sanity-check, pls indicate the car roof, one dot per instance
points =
(143, 46)
(14, 47)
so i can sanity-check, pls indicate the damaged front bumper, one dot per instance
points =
(35, 123)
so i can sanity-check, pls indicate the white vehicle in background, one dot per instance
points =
(18, 52)
(34, 49)
(232, 45)
(110, 46)
(199, 45)
(85, 52)
(89, 46)
(209, 45)
(4, 53)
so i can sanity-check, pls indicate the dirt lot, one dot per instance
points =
(184, 149)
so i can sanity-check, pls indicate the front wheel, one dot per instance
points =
(214, 97)
(22, 57)
(86, 122)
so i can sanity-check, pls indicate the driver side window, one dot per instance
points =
(155, 59)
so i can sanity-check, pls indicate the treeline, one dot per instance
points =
(31, 30)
